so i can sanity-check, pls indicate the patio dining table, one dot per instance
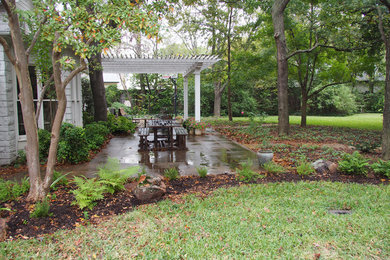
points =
(162, 132)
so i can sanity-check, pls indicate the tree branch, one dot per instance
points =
(7, 7)
(35, 38)
(7, 50)
(43, 91)
(324, 87)
(76, 71)
(303, 51)
(380, 26)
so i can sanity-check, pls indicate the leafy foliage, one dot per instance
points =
(96, 134)
(273, 167)
(120, 125)
(73, 146)
(88, 192)
(44, 144)
(366, 145)
(353, 163)
(171, 173)
(112, 178)
(202, 171)
(246, 173)
(12, 189)
(382, 167)
(21, 159)
(42, 209)
(305, 168)
(59, 179)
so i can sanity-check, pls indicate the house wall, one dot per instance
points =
(8, 121)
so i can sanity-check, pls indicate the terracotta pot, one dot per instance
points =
(198, 131)
(265, 156)
(192, 131)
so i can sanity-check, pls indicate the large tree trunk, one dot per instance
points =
(386, 110)
(229, 66)
(20, 63)
(218, 90)
(97, 87)
(304, 108)
(280, 40)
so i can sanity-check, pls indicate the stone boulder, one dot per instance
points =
(154, 188)
(325, 167)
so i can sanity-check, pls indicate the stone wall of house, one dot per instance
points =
(8, 121)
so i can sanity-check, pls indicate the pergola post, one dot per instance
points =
(185, 86)
(197, 94)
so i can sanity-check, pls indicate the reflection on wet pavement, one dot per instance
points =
(213, 151)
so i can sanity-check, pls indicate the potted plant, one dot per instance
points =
(200, 127)
(264, 156)
(179, 119)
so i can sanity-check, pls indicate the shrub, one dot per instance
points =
(353, 164)
(202, 171)
(382, 167)
(12, 189)
(44, 137)
(171, 174)
(273, 167)
(41, 210)
(73, 146)
(246, 173)
(366, 145)
(88, 192)
(96, 134)
(305, 168)
(120, 124)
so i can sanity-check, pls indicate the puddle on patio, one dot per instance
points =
(212, 150)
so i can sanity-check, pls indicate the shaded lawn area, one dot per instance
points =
(288, 220)
(369, 121)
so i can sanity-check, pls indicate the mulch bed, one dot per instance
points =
(67, 216)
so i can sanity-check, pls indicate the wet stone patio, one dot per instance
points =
(212, 150)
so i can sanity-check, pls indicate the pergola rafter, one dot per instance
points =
(171, 64)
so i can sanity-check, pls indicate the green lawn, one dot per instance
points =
(360, 121)
(280, 220)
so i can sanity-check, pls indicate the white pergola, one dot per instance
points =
(185, 65)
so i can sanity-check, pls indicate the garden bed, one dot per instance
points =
(67, 216)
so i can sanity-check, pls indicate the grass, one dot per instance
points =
(369, 121)
(278, 220)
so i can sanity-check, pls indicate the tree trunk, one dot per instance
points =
(229, 66)
(20, 63)
(386, 109)
(97, 87)
(280, 40)
(304, 109)
(218, 90)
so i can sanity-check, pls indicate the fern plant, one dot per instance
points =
(305, 168)
(246, 173)
(171, 174)
(353, 164)
(88, 192)
(382, 167)
(273, 167)
(202, 171)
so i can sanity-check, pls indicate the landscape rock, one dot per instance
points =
(3, 229)
(154, 181)
(149, 192)
(130, 187)
(325, 167)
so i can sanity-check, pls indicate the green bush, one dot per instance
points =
(21, 159)
(382, 167)
(96, 134)
(73, 146)
(88, 192)
(305, 168)
(41, 210)
(246, 173)
(59, 179)
(171, 174)
(44, 137)
(11, 189)
(366, 145)
(120, 125)
(273, 167)
(353, 164)
(202, 171)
